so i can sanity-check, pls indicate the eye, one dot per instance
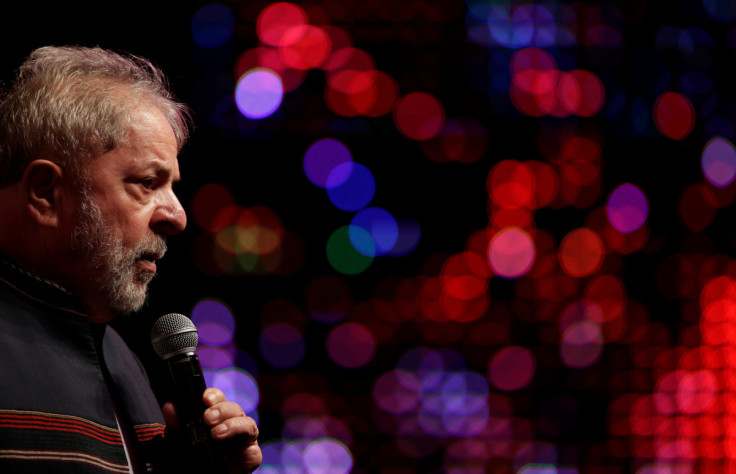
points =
(148, 183)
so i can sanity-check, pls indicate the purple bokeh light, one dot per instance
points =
(321, 159)
(627, 208)
(215, 323)
(259, 93)
(719, 162)
(282, 346)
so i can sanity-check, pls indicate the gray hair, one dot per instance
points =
(71, 104)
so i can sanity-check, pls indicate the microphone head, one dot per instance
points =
(174, 334)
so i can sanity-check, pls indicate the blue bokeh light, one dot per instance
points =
(722, 11)
(381, 228)
(520, 26)
(212, 25)
(353, 193)
(410, 232)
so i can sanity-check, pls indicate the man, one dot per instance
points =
(88, 156)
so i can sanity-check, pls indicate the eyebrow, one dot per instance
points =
(161, 172)
(168, 174)
(157, 168)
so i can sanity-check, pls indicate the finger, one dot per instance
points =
(243, 427)
(249, 459)
(221, 412)
(213, 396)
(170, 417)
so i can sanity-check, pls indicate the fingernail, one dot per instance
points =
(220, 429)
(212, 415)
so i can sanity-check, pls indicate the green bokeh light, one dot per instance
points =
(342, 255)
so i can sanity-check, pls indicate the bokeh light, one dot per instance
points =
(511, 368)
(239, 387)
(409, 235)
(627, 208)
(419, 116)
(355, 92)
(674, 115)
(212, 25)
(504, 246)
(581, 253)
(304, 47)
(263, 57)
(282, 345)
(276, 20)
(718, 162)
(351, 345)
(581, 344)
(329, 456)
(323, 157)
(354, 192)
(697, 207)
(341, 252)
(380, 225)
(396, 391)
(215, 323)
(511, 252)
(259, 93)
(207, 202)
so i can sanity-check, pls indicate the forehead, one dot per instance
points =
(149, 144)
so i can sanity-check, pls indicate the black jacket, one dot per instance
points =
(62, 382)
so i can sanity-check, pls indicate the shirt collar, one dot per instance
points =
(38, 288)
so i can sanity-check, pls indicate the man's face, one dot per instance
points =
(125, 214)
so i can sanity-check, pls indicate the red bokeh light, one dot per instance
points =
(512, 368)
(304, 47)
(674, 115)
(697, 206)
(267, 57)
(352, 92)
(538, 88)
(511, 183)
(207, 202)
(276, 20)
(581, 253)
(419, 116)
(349, 58)
(463, 140)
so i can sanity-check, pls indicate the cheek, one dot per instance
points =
(131, 230)
(127, 218)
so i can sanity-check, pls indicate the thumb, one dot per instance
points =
(170, 417)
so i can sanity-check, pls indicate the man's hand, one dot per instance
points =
(238, 432)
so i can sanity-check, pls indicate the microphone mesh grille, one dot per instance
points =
(173, 334)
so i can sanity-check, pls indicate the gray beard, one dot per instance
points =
(121, 285)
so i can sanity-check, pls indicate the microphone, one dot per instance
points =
(174, 338)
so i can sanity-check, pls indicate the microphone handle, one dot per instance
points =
(188, 385)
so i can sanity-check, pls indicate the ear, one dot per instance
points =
(42, 180)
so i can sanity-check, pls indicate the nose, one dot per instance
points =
(169, 218)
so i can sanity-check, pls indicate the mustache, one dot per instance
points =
(152, 248)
